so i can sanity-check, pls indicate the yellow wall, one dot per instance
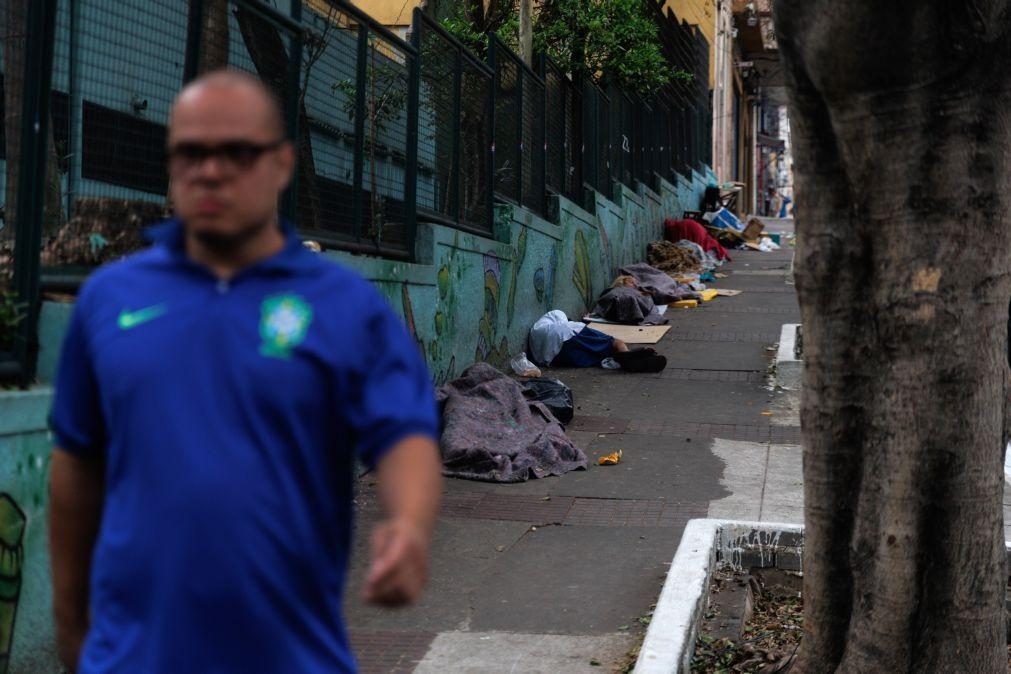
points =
(388, 12)
(702, 13)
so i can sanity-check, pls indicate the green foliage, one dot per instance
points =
(615, 40)
(473, 36)
(612, 40)
(385, 98)
(12, 313)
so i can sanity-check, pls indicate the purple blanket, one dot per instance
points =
(659, 284)
(491, 432)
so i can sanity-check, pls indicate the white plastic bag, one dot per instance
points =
(524, 367)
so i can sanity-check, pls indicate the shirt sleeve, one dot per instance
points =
(77, 420)
(395, 397)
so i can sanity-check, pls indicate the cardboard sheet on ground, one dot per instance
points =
(726, 292)
(633, 334)
(660, 309)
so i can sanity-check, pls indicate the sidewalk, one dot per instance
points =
(557, 575)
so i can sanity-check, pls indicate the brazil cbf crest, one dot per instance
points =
(284, 320)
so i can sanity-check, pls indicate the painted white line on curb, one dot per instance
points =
(788, 366)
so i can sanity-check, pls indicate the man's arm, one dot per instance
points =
(410, 487)
(76, 492)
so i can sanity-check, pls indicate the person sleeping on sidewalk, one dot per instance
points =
(625, 302)
(559, 342)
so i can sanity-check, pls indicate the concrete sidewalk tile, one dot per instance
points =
(576, 580)
(387, 651)
(484, 652)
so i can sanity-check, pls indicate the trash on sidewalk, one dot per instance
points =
(555, 395)
(727, 292)
(522, 366)
(492, 433)
(612, 459)
(686, 304)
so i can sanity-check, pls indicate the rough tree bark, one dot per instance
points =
(214, 36)
(901, 115)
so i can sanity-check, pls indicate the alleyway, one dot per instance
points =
(558, 575)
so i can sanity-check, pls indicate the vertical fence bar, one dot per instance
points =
(75, 122)
(361, 85)
(413, 121)
(540, 126)
(492, 105)
(38, 78)
(289, 200)
(194, 37)
(520, 147)
(457, 201)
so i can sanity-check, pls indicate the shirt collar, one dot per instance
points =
(170, 234)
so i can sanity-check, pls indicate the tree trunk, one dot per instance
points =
(270, 57)
(900, 118)
(214, 38)
(527, 32)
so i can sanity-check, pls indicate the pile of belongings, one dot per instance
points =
(729, 231)
(492, 432)
(637, 295)
(676, 261)
(691, 232)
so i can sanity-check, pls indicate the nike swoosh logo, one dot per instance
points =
(131, 319)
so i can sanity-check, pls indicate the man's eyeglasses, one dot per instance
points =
(233, 157)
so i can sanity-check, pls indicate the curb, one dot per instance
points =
(788, 364)
(670, 639)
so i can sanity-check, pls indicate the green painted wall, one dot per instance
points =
(26, 629)
(468, 298)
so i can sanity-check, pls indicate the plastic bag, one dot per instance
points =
(555, 395)
(523, 367)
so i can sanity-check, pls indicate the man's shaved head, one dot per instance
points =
(240, 81)
(229, 161)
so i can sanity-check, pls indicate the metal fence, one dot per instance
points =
(387, 131)
(454, 131)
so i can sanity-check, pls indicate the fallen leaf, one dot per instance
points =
(500, 548)
(766, 414)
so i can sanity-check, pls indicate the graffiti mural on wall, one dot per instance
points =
(518, 258)
(581, 276)
(12, 531)
(487, 326)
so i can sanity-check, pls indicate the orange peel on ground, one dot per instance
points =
(611, 459)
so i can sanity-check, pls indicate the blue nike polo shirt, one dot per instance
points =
(230, 415)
